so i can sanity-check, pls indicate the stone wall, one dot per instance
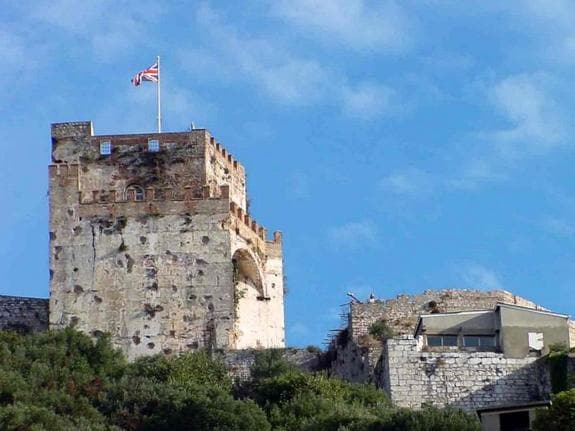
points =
(401, 313)
(157, 270)
(466, 380)
(23, 314)
(240, 362)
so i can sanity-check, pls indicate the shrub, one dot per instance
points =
(380, 331)
(561, 414)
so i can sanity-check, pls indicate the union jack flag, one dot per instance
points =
(149, 74)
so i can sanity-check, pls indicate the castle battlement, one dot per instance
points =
(151, 241)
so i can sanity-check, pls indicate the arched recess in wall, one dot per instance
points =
(135, 192)
(247, 270)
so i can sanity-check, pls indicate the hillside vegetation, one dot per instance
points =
(63, 381)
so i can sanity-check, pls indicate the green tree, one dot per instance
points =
(561, 414)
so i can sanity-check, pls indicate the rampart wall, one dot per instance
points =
(401, 313)
(467, 380)
(23, 314)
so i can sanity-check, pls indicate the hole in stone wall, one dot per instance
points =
(75, 270)
(172, 334)
(167, 351)
(78, 288)
(143, 240)
(74, 321)
(77, 230)
(136, 340)
(174, 289)
(151, 345)
(130, 262)
(97, 299)
(52, 236)
(122, 247)
(205, 239)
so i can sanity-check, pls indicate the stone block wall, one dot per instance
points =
(23, 314)
(240, 362)
(467, 380)
(401, 313)
(143, 244)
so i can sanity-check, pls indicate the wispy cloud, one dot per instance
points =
(275, 69)
(475, 276)
(110, 30)
(410, 181)
(535, 126)
(357, 24)
(535, 121)
(353, 234)
(368, 100)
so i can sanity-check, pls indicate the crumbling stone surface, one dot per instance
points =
(401, 313)
(23, 314)
(240, 362)
(146, 245)
(467, 380)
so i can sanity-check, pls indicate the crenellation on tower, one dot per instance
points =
(151, 241)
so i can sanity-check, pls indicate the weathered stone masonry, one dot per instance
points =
(23, 314)
(158, 248)
(467, 380)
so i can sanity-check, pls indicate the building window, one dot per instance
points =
(153, 145)
(105, 148)
(135, 193)
(442, 340)
(479, 341)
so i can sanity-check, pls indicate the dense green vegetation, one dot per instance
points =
(63, 381)
(561, 414)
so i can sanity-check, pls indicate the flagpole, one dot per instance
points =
(158, 89)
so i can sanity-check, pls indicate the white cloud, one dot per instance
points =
(362, 25)
(368, 100)
(353, 234)
(272, 68)
(411, 181)
(536, 124)
(110, 30)
(475, 276)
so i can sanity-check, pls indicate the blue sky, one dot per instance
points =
(399, 146)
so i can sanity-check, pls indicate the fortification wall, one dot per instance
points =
(465, 380)
(240, 362)
(23, 314)
(401, 313)
(142, 244)
(223, 169)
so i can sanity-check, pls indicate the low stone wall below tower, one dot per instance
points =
(240, 362)
(23, 314)
(468, 380)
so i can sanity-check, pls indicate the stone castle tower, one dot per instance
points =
(151, 241)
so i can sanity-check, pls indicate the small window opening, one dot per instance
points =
(153, 145)
(105, 148)
(442, 340)
(135, 193)
(479, 340)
